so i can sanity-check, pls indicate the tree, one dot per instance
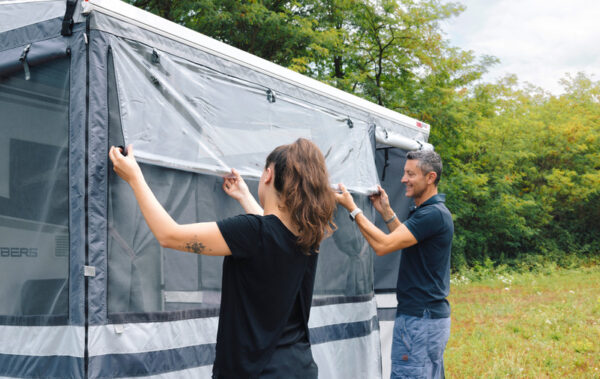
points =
(526, 178)
(280, 31)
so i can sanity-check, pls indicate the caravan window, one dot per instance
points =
(34, 212)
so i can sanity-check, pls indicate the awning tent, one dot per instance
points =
(85, 289)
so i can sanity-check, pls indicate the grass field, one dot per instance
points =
(543, 325)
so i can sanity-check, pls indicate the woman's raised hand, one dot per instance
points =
(235, 186)
(343, 198)
(125, 166)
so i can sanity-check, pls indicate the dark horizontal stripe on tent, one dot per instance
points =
(151, 363)
(386, 314)
(58, 320)
(341, 300)
(187, 314)
(157, 362)
(345, 331)
(28, 366)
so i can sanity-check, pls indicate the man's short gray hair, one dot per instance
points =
(428, 161)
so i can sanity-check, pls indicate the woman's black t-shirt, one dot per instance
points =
(266, 295)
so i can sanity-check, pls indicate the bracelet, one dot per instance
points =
(391, 219)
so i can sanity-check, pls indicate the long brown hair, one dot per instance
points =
(302, 181)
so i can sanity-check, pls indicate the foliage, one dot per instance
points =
(525, 179)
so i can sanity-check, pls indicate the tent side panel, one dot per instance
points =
(41, 217)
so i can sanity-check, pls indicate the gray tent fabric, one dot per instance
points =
(77, 175)
(106, 299)
(41, 202)
(390, 167)
(20, 14)
(97, 169)
(32, 54)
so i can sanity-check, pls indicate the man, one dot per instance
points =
(422, 325)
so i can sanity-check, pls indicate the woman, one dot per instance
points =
(270, 263)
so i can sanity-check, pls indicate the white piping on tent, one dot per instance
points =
(390, 138)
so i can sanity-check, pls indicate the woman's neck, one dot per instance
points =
(284, 216)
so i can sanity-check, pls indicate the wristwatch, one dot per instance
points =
(354, 213)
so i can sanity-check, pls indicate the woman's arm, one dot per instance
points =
(201, 238)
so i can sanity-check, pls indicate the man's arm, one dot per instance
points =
(381, 242)
(381, 203)
(384, 243)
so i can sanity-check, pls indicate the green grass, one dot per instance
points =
(525, 325)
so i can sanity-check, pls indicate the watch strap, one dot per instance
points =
(355, 213)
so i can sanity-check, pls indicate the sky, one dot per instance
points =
(538, 40)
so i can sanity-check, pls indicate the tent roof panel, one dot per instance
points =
(181, 34)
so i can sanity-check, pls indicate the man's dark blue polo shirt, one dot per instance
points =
(424, 275)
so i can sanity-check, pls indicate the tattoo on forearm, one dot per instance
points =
(196, 247)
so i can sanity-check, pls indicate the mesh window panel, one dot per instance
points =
(143, 276)
(34, 185)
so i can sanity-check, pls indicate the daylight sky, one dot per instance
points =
(538, 40)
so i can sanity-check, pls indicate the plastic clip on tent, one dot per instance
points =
(23, 59)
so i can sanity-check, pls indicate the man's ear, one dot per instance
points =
(431, 176)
